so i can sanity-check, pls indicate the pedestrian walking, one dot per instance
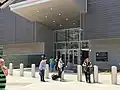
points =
(60, 68)
(42, 68)
(87, 69)
(3, 74)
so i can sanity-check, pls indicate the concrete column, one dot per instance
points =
(47, 71)
(10, 69)
(95, 74)
(21, 69)
(62, 76)
(79, 73)
(33, 70)
(114, 75)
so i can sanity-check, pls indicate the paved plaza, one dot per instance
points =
(16, 82)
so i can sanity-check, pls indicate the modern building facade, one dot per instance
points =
(54, 24)
(102, 29)
(65, 28)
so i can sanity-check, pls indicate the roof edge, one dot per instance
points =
(24, 4)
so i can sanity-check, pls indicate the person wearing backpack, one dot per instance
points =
(87, 69)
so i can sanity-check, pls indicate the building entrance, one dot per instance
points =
(70, 55)
(67, 45)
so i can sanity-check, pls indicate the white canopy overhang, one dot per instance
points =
(55, 14)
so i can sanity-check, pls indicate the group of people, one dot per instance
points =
(57, 64)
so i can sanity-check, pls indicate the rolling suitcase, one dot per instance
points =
(55, 77)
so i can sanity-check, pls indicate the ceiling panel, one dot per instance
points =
(55, 14)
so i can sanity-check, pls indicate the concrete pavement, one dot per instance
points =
(16, 82)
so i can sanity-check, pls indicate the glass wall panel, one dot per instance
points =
(73, 35)
(85, 44)
(60, 36)
(67, 42)
(73, 45)
(61, 46)
(75, 56)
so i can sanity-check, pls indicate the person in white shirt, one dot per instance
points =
(60, 68)
(42, 68)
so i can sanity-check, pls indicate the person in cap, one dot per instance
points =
(3, 74)
(42, 68)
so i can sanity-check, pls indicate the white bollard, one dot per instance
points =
(33, 70)
(79, 73)
(47, 71)
(62, 76)
(114, 75)
(21, 69)
(95, 74)
(10, 69)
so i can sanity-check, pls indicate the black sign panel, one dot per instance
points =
(102, 56)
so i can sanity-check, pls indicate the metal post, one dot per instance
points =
(33, 70)
(114, 75)
(62, 76)
(95, 74)
(21, 69)
(47, 71)
(79, 50)
(10, 69)
(79, 73)
(35, 38)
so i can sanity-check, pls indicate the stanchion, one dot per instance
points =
(79, 73)
(62, 76)
(95, 74)
(33, 70)
(10, 69)
(47, 71)
(114, 75)
(21, 69)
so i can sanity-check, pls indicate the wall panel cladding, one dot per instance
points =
(102, 19)
(14, 28)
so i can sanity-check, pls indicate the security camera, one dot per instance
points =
(5, 3)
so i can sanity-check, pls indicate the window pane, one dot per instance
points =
(60, 45)
(60, 35)
(75, 57)
(73, 45)
(73, 35)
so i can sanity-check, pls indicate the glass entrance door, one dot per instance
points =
(70, 55)
(62, 54)
(73, 56)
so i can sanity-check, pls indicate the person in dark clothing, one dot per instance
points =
(87, 69)
(56, 63)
